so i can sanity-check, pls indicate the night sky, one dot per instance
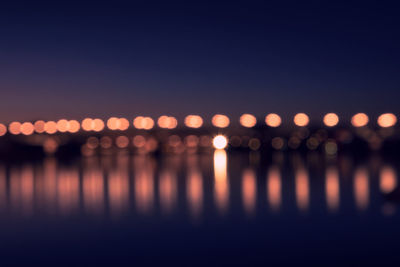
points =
(73, 59)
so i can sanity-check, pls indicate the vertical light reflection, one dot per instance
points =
(221, 186)
(144, 183)
(274, 188)
(332, 190)
(361, 188)
(302, 189)
(388, 180)
(3, 187)
(47, 187)
(93, 189)
(168, 190)
(68, 190)
(21, 189)
(249, 190)
(118, 186)
(194, 187)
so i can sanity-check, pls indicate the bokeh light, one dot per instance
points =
(14, 127)
(220, 142)
(144, 123)
(3, 129)
(27, 128)
(193, 121)
(114, 123)
(301, 119)
(73, 126)
(50, 127)
(359, 120)
(167, 122)
(331, 119)
(248, 120)
(62, 125)
(39, 126)
(220, 121)
(273, 120)
(387, 120)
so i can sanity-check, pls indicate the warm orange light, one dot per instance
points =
(139, 141)
(97, 125)
(220, 121)
(14, 127)
(359, 120)
(50, 127)
(123, 124)
(301, 119)
(122, 141)
(145, 123)
(3, 129)
(193, 121)
(27, 128)
(62, 125)
(388, 180)
(273, 120)
(220, 142)
(248, 120)
(73, 126)
(114, 123)
(39, 126)
(167, 122)
(87, 124)
(387, 120)
(249, 190)
(331, 119)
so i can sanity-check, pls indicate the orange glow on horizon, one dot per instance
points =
(387, 120)
(193, 121)
(248, 120)
(273, 120)
(331, 119)
(359, 120)
(301, 119)
(220, 121)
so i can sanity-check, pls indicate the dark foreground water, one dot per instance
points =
(210, 209)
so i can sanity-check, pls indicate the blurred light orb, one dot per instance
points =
(27, 128)
(331, 119)
(73, 126)
(39, 126)
(87, 124)
(193, 121)
(167, 122)
(387, 120)
(359, 120)
(50, 127)
(122, 141)
(97, 125)
(248, 120)
(144, 123)
(273, 120)
(14, 127)
(3, 129)
(220, 121)
(220, 142)
(113, 123)
(301, 119)
(62, 125)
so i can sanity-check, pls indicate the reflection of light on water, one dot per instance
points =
(21, 189)
(3, 187)
(361, 188)
(167, 190)
(221, 187)
(332, 189)
(274, 188)
(249, 190)
(68, 190)
(302, 189)
(118, 186)
(388, 180)
(93, 189)
(194, 191)
(144, 183)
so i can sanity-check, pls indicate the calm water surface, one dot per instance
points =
(210, 209)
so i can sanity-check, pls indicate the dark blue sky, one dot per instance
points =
(72, 59)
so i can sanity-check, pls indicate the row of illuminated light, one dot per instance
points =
(169, 122)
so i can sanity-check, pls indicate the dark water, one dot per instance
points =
(210, 209)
